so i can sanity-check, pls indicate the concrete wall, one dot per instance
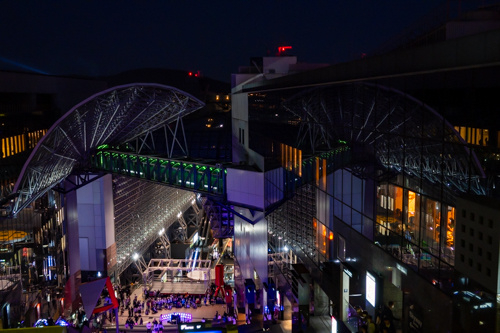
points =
(477, 246)
(239, 109)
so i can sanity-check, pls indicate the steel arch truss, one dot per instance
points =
(401, 133)
(122, 115)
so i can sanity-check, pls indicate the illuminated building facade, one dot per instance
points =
(361, 191)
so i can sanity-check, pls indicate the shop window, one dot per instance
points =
(413, 210)
(450, 227)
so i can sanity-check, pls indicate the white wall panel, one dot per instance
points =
(245, 187)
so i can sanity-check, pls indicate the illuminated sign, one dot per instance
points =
(370, 288)
(184, 327)
(402, 269)
(483, 306)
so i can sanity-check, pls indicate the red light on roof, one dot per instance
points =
(190, 73)
(282, 49)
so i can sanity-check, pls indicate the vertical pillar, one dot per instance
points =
(90, 232)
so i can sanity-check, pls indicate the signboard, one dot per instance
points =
(371, 287)
(191, 326)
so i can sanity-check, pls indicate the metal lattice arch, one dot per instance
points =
(119, 115)
(400, 133)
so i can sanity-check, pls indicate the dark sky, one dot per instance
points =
(106, 37)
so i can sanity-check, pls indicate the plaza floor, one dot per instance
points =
(206, 312)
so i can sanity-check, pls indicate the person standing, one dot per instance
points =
(388, 315)
(370, 325)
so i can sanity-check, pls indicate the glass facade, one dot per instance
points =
(417, 229)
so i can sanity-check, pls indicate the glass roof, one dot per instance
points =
(114, 117)
(398, 131)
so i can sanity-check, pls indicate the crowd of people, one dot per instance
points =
(383, 322)
(224, 318)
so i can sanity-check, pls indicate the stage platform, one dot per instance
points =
(181, 287)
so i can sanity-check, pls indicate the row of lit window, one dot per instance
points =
(17, 144)
(475, 136)
(291, 159)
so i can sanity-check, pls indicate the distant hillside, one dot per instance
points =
(196, 86)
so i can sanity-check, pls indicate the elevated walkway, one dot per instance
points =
(196, 176)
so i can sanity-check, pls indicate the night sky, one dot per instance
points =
(215, 37)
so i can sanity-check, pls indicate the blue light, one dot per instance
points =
(62, 322)
(18, 64)
(41, 323)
